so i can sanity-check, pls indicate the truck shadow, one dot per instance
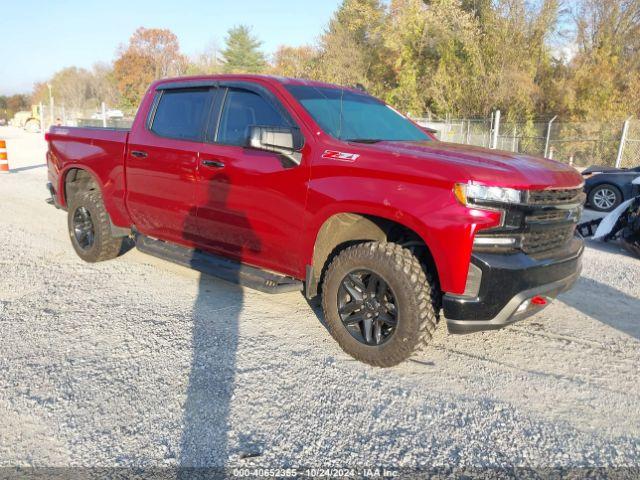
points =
(216, 313)
(214, 337)
(315, 305)
(605, 304)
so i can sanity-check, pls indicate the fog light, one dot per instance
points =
(523, 306)
(501, 241)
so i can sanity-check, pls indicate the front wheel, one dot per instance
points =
(378, 303)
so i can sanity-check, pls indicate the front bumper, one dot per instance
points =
(508, 281)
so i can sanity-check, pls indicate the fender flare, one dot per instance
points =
(342, 228)
(116, 231)
(64, 174)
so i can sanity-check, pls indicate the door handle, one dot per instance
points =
(213, 163)
(139, 154)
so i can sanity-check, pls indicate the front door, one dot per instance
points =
(250, 202)
(162, 164)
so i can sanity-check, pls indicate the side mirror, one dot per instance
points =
(282, 140)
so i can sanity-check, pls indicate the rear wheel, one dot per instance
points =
(605, 198)
(90, 228)
(378, 304)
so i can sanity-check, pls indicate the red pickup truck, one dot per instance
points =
(284, 184)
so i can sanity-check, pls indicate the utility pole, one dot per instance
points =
(42, 125)
(50, 105)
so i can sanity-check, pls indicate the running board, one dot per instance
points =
(214, 265)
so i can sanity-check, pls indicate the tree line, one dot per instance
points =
(10, 104)
(529, 58)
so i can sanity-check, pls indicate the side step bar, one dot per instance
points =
(229, 270)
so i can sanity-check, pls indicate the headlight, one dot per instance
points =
(472, 193)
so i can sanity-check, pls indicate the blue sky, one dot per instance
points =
(41, 37)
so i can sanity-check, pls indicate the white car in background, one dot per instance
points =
(109, 114)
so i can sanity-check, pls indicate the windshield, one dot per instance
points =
(348, 115)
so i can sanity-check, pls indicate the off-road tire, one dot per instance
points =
(105, 246)
(415, 295)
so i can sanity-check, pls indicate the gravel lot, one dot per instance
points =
(138, 362)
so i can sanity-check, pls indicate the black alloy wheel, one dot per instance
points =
(90, 228)
(367, 307)
(379, 303)
(83, 228)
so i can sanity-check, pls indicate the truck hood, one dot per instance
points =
(482, 165)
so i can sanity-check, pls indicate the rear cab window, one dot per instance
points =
(181, 113)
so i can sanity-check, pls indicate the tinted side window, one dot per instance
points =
(181, 114)
(243, 109)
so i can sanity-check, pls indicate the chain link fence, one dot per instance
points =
(586, 143)
(577, 143)
(528, 138)
(630, 155)
(467, 131)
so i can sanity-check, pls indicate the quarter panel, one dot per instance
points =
(101, 153)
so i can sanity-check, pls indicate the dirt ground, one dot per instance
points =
(138, 362)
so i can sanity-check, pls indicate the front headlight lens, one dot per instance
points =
(472, 193)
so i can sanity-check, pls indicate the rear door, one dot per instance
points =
(162, 164)
(250, 202)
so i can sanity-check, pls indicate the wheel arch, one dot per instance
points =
(73, 179)
(77, 179)
(344, 229)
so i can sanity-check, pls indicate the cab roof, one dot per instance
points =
(255, 77)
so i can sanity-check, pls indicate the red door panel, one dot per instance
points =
(161, 187)
(252, 208)
(162, 164)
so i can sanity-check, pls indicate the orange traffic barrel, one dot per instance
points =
(4, 161)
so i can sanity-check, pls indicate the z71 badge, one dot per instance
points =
(342, 156)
